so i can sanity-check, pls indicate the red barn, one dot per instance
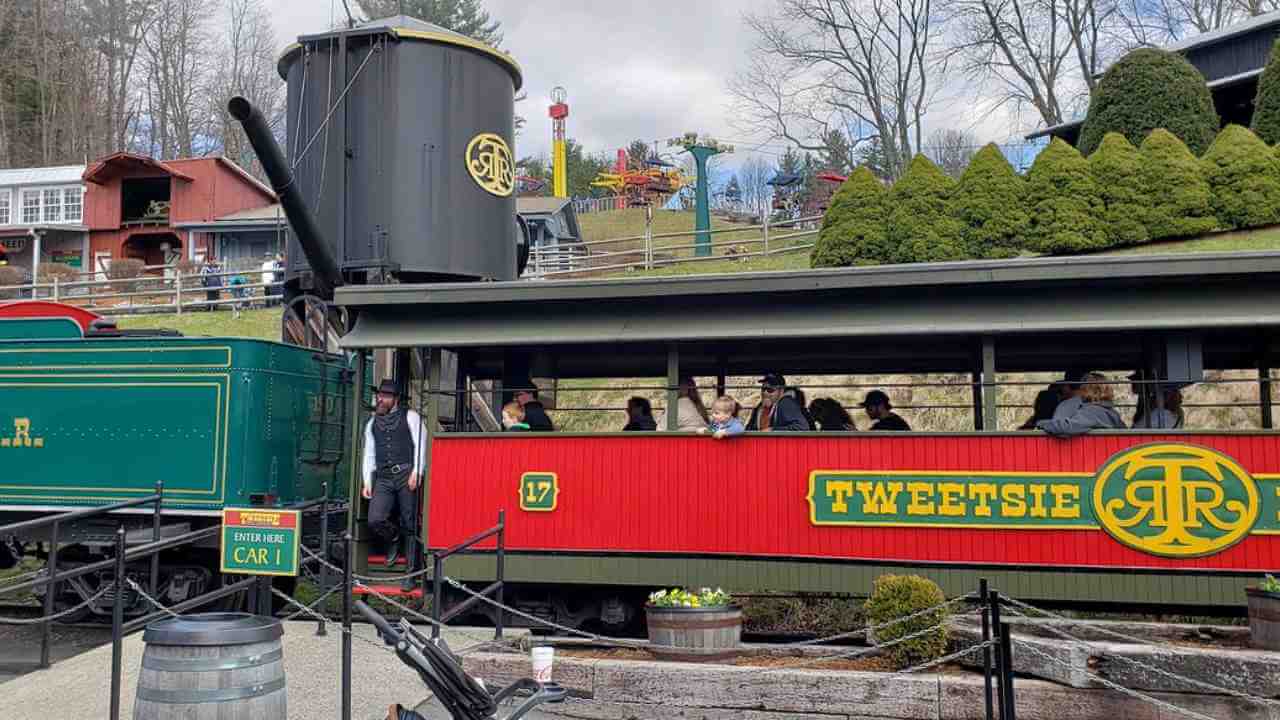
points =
(134, 205)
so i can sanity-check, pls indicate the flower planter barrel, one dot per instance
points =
(680, 633)
(212, 666)
(1264, 619)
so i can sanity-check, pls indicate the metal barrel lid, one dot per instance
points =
(213, 629)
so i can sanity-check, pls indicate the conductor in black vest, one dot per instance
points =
(393, 460)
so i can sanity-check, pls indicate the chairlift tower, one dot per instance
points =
(559, 171)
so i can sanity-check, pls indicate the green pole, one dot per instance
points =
(702, 206)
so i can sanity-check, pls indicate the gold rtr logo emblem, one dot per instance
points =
(1175, 500)
(21, 437)
(490, 164)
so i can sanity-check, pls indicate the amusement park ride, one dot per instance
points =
(641, 184)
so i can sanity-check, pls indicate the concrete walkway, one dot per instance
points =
(80, 687)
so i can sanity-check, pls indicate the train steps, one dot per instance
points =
(377, 565)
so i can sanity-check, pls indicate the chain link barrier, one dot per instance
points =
(380, 579)
(1265, 702)
(61, 613)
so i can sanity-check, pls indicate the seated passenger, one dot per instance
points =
(640, 416)
(878, 408)
(513, 418)
(760, 413)
(1070, 394)
(799, 396)
(1046, 403)
(724, 419)
(1096, 413)
(692, 414)
(830, 416)
(535, 415)
(785, 413)
(1149, 416)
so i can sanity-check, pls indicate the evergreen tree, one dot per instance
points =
(1149, 89)
(1174, 188)
(1266, 105)
(638, 153)
(1063, 203)
(1244, 179)
(733, 191)
(1116, 167)
(461, 16)
(921, 226)
(872, 156)
(836, 154)
(853, 230)
(990, 202)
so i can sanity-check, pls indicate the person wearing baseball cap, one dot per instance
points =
(879, 409)
(785, 412)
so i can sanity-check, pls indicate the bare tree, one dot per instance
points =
(753, 184)
(118, 27)
(951, 149)
(863, 67)
(247, 48)
(177, 65)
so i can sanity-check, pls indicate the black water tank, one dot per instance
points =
(415, 172)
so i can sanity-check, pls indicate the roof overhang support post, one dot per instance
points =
(35, 261)
(431, 421)
(721, 363)
(357, 434)
(1264, 387)
(673, 388)
(990, 410)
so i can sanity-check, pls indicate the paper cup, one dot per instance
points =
(542, 658)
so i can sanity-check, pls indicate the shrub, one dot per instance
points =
(1266, 104)
(920, 225)
(1148, 89)
(63, 273)
(894, 596)
(1116, 168)
(125, 269)
(1244, 179)
(990, 203)
(1063, 203)
(1174, 187)
(853, 229)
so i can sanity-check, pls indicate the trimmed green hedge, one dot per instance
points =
(853, 229)
(990, 202)
(1244, 178)
(1117, 169)
(1177, 194)
(1266, 104)
(1149, 89)
(921, 226)
(1063, 202)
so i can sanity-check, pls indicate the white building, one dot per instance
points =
(42, 218)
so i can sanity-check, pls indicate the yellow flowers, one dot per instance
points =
(677, 598)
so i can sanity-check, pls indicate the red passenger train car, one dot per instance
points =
(1124, 518)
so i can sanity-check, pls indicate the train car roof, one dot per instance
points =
(921, 309)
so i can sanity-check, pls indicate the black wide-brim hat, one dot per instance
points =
(389, 387)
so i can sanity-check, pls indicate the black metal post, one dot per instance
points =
(994, 609)
(321, 630)
(50, 589)
(437, 569)
(117, 621)
(1006, 681)
(155, 537)
(502, 561)
(346, 626)
(264, 596)
(986, 649)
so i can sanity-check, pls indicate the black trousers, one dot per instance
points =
(392, 498)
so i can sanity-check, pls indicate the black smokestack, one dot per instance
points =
(327, 274)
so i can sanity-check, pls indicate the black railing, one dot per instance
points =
(50, 580)
(494, 589)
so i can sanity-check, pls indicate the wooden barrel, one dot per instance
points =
(212, 666)
(1264, 619)
(712, 633)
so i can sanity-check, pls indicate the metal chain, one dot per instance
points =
(888, 623)
(414, 613)
(367, 578)
(1158, 670)
(158, 605)
(947, 658)
(860, 652)
(316, 616)
(312, 605)
(60, 614)
(1116, 686)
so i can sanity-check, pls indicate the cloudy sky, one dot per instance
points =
(649, 70)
